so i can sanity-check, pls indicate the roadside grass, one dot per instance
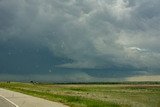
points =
(73, 101)
(86, 95)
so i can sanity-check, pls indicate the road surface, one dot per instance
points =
(14, 99)
(5, 103)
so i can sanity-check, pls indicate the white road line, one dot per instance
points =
(9, 101)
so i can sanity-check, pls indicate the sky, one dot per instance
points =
(79, 40)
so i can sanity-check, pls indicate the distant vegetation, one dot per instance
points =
(129, 83)
(123, 94)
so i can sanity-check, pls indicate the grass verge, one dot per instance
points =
(73, 101)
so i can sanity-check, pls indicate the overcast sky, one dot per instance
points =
(79, 40)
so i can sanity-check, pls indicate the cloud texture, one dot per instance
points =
(113, 35)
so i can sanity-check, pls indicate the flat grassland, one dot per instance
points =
(92, 95)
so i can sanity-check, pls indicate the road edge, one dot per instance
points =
(9, 101)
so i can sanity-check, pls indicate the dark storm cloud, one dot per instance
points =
(109, 35)
(23, 58)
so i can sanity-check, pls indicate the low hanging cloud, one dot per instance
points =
(94, 34)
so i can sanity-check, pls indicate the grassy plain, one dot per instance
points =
(93, 95)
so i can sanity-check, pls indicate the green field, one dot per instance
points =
(93, 95)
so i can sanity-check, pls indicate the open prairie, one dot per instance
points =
(93, 95)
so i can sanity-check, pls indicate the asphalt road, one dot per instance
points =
(5, 103)
(11, 99)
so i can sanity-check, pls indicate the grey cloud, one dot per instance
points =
(92, 33)
(74, 77)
